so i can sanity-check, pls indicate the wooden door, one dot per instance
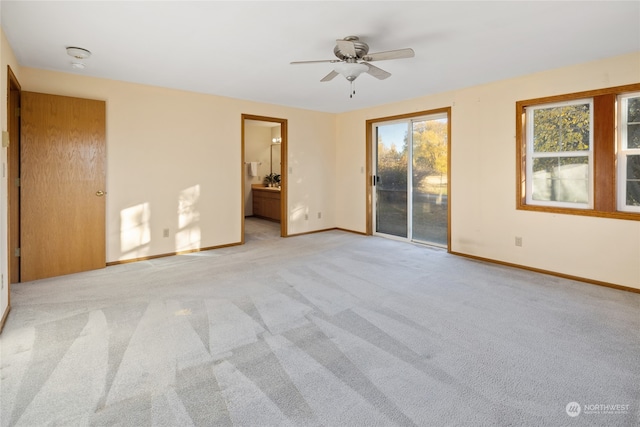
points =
(62, 228)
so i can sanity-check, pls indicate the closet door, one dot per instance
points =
(62, 185)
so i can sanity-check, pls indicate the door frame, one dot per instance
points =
(14, 93)
(370, 123)
(283, 173)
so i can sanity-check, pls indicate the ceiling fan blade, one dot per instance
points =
(347, 48)
(329, 76)
(390, 54)
(314, 62)
(376, 72)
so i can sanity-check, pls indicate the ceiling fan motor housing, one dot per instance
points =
(361, 48)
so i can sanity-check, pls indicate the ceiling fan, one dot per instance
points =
(354, 57)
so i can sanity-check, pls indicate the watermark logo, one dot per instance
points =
(573, 409)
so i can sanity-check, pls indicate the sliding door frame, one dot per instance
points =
(370, 135)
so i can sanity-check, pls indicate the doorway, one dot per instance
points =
(410, 188)
(264, 177)
(13, 177)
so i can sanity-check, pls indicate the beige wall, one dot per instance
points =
(174, 162)
(484, 220)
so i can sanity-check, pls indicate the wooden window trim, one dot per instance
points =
(604, 153)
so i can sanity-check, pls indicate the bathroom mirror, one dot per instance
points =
(263, 143)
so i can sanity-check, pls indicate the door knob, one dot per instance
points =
(100, 193)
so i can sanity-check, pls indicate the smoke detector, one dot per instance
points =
(78, 52)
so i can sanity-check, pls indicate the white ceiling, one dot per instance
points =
(242, 49)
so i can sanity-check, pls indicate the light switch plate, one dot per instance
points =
(5, 138)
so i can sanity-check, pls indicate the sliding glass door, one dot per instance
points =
(411, 179)
(391, 185)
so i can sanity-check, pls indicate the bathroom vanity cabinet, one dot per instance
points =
(266, 203)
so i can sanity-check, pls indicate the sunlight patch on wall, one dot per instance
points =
(135, 231)
(299, 213)
(188, 235)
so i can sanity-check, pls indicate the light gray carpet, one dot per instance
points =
(332, 329)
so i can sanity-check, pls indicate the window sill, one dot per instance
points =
(630, 216)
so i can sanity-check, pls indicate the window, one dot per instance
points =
(571, 159)
(629, 153)
(559, 156)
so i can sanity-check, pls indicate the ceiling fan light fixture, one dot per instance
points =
(349, 51)
(78, 52)
(350, 70)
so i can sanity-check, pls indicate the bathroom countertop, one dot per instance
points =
(262, 187)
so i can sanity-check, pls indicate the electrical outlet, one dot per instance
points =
(319, 215)
(165, 232)
(306, 217)
(518, 241)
